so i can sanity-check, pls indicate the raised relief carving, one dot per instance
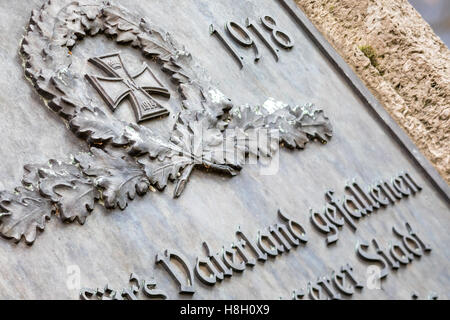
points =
(127, 158)
(23, 213)
(120, 85)
(360, 204)
(330, 287)
(244, 38)
(397, 254)
(137, 289)
(235, 257)
(186, 285)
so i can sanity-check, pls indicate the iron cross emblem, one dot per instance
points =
(119, 84)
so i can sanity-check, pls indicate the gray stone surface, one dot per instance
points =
(113, 244)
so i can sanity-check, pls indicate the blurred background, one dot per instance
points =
(437, 14)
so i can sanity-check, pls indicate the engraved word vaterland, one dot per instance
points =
(125, 159)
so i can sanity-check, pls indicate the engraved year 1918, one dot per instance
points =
(242, 36)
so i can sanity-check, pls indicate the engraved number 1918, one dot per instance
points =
(243, 37)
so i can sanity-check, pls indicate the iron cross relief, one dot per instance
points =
(119, 84)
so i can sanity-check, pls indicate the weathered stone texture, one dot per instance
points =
(401, 60)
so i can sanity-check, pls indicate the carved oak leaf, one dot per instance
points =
(90, 12)
(54, 175)
(252, 135)
(167, 159)
(92, 22)
(295, 126)
(192, 145)
(96, 127)
(65, 107)
(238, 144)
(208, 145)
(155, 43)
(65, 185)
(160, 172)
(72, 26)
(125, 37)
(216, 105)
(116, 25)
(118, 176)
(25, 211)
(144, 141)
(246, 117)
(216, 149)
(313, 121)
(152, 48)
(31, 176)
(77, 201)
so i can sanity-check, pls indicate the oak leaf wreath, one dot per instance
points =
(127, 159)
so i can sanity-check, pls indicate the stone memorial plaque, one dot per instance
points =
(203, 150)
